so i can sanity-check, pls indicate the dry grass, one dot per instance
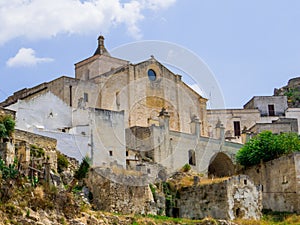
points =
(155, 220)
(39, 192)
(119, 171)
(272, 220)
(187, 179)
(205, 181)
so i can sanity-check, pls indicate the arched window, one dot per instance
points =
(192, 158)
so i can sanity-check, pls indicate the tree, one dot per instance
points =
(267, 146)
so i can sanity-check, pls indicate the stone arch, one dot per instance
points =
(142, 112)
(220, 165)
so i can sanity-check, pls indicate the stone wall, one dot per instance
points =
(236, 197)
(7, 152)
(279, 179)
(120, 192)
(46, 143)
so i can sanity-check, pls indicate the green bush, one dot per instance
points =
(62, 162)
(186, 167)
(83, 168)
(10, 171)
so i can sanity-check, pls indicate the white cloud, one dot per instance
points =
(160, 4)
(36, 19)
(26, 57)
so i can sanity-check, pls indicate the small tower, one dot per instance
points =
(101, 50)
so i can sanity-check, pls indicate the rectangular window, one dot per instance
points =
(110, 153)
(127, 153)
(70, 89)
(271, 110)
(237, 128)
(85, 97)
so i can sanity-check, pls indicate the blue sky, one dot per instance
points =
(250, 46)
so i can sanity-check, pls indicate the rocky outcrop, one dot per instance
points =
(292, 91)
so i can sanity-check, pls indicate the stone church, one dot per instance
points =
(130, 115)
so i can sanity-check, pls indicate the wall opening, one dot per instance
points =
(237, 128)
(175, 212)
(238, 212)
(220, 166)
(192, 158)
(85, 97)
(70, 90)
(271, 110)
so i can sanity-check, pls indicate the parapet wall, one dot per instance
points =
(46, 143)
